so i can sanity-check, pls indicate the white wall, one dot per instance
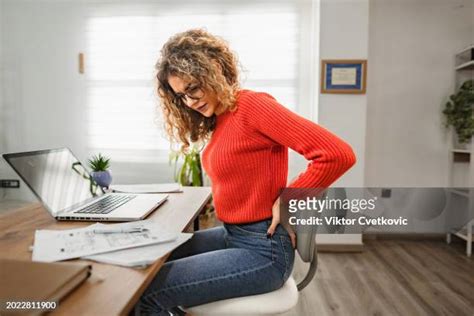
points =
(344, 35)
(396, 128)
(2, 124)
(42, 99)
(411, 59)
(2, 119)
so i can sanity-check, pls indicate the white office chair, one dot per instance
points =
(272, 303)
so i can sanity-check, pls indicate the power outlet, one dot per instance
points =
(10, 184)
(386, 193)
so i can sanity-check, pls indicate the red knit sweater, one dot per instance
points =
(247, 157)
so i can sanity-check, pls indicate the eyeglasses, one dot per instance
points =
(193, 94)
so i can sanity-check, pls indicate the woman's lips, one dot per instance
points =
(202, 108)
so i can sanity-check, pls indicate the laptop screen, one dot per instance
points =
(56, 177)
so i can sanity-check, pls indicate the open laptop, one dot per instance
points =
(64, 187)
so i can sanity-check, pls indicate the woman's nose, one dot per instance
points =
(190, 102)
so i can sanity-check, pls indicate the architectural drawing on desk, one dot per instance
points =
(87, 240)
(126, 239)
(77, 241)
(57, 245)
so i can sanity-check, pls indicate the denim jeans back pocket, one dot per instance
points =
(240, 236)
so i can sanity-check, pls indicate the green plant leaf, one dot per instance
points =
(459, 111)
(190, 172)
(196, 176)
(99, 163)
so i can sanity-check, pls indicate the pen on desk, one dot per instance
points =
(108, 230)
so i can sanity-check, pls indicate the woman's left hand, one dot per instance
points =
(276, 221)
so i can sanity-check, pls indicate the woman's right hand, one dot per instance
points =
(284, 224)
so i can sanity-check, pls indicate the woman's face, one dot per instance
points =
(191, 94)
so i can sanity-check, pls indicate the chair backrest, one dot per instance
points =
(306, 247)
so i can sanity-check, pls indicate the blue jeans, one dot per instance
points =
(220, 263)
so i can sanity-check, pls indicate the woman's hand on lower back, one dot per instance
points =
(276, 220)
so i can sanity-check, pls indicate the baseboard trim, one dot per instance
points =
(403, 236)
(340, 247)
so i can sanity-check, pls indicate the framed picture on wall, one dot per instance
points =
(343, 76)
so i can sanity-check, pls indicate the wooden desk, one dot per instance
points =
(121, 287)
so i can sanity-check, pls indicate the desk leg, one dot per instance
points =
(196, 223)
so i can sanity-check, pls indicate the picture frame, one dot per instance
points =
(344, 76)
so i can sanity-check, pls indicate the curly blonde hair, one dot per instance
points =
(195, 55)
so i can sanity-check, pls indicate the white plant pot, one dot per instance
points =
(458, 145)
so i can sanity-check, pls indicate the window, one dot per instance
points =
(123, 45)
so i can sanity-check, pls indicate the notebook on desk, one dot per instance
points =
(147, 188)
(27, 281)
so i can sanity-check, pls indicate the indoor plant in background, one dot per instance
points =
(190, 173)
(459, 113)
(100, 170)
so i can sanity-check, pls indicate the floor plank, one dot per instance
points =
(390, 277)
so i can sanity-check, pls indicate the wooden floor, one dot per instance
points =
(391, 278)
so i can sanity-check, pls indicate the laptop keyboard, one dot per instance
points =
(106, 205)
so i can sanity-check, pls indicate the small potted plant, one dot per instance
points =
(100, 170)
(459, 113)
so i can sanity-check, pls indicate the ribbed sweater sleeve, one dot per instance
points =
(329, 156)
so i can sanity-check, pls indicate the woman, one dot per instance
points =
(246, 159)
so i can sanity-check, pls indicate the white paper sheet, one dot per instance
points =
(140, 256)
(57, 245)
(147, 188)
